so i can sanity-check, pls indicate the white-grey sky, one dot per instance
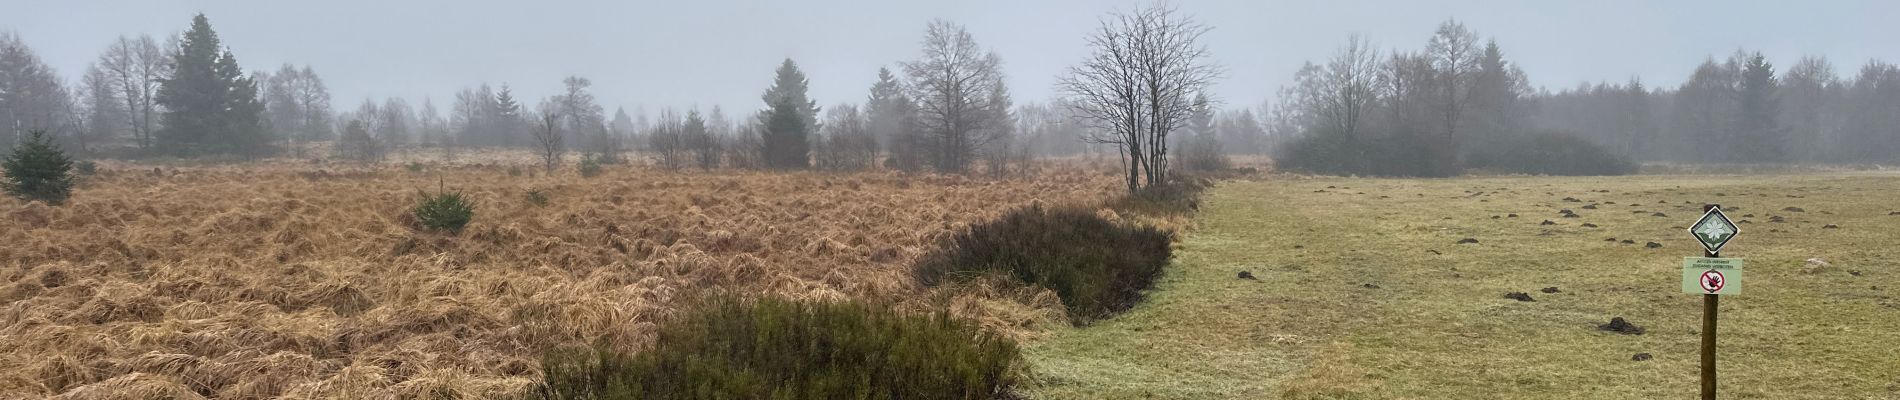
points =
(705, 52)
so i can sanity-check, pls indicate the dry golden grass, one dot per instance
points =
(307, 280)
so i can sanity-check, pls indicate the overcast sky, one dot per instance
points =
(683, 53)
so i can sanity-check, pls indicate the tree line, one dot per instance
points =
(1741, 109)
(1457, 103)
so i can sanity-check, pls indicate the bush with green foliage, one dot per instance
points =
(444, 210)
(537, 198)
(38, 170)
(590, 167)
(1550, 154)
(773, 348)
(1098, 267)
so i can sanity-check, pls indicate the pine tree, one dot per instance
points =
(38, 170)
(700, 141)
(507, 117)
(1761, 136)
(893, 120)
(210, 106)
(789, 119)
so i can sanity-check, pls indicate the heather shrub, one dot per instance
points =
(774, 348)
(1096, 266)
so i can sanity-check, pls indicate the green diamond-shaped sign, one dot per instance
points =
(1714, 230)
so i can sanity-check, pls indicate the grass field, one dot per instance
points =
(309, 280)
(1363, 292)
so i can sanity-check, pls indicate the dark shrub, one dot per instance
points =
(772, 348)
(87, 168)
(38, 170)
(1550, 154)
(1400, 155)
(1201, 153)
(1098, 267)
(413, 166)
(1180, 197)
(444, 210)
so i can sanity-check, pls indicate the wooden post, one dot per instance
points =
(1709, 302)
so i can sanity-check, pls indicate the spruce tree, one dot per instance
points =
(790, 118)
(507, 117)
(1760, 136)
(893, 120)
(210, 106)
(38, 170)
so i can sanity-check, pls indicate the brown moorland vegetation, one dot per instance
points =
(312, 281)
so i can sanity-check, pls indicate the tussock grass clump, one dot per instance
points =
(444, 210)
(1097, 266)
(774, 348)
(38, 170)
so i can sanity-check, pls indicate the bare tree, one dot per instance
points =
(668, 139)
(298, 105)
(584, 117)
(99, 102)
(398, 121)
(954, 85)
(848, 144)
(1341, 94)
(1454, 54)
(547, 133)
(1138, 84)
(137, 66)
(434, 130)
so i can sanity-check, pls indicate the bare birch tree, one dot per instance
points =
(1138, 84)
(1341, 94)
(1454, 54)
(137, 66)
(547, 133)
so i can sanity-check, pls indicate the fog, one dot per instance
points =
(684, 53)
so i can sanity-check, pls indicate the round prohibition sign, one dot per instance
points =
(1712, 281)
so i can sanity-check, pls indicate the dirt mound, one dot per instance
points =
(1618, 325)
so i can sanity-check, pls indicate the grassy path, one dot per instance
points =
(1363, 293)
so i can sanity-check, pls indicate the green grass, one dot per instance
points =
(1438, 326)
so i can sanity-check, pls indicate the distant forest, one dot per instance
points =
(1457, 102)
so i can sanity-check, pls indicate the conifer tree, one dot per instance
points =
(211, 107)
(789, 119)
(38, 170)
